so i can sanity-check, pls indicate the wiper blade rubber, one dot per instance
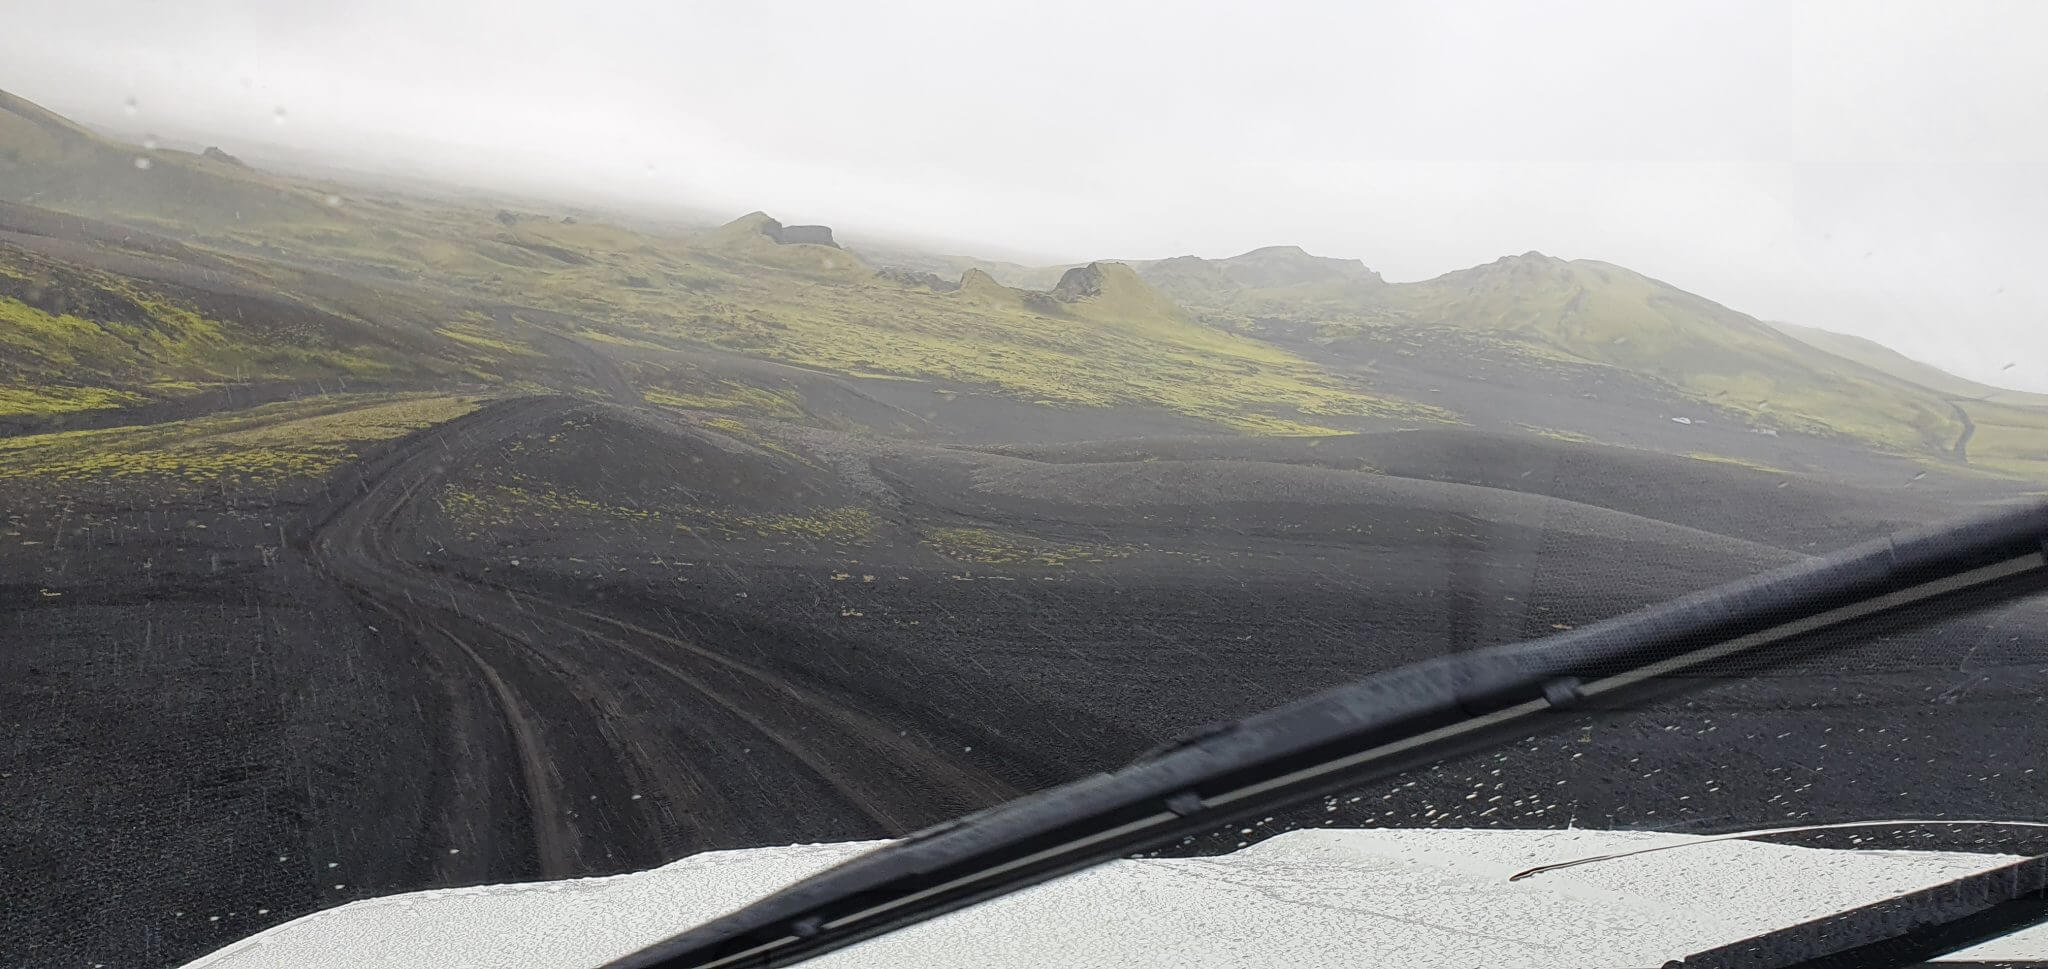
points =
(1391, 722)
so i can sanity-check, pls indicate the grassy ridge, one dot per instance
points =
(260, 445)
(1554, 315)
(75, 338)
(1605, 314)
(1884, 359)
(733, 288)
(1186, 335)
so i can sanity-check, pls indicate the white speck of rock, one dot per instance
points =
(339, 887)
(213, 918)
(455, 851)
(334, 864)
(263, 911)
(636, 797)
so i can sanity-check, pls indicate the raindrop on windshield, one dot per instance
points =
(142, 164)
(149, 142)
(277, 115)
(128, 106)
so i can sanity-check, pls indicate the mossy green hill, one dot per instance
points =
(1606, 314)
(1587, 312)
(362, 283)
(1882, 358)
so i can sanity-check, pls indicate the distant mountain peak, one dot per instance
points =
(1202, 280)
(1532, 257)
(1302, 262)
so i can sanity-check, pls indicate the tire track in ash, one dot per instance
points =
(591, 713)
(593, 361)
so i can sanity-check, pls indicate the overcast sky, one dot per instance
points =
(1869, 167)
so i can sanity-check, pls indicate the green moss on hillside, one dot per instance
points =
(261, 445)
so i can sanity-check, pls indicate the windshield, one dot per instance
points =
(460, 447)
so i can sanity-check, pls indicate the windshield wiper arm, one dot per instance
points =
(1391, 722)
(1906, 930)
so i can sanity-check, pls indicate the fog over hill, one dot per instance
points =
(1861, 173)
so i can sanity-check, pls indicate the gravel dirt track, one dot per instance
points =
(350, 689)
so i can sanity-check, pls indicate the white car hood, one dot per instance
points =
(1307, 898)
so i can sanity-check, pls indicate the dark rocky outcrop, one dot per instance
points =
(912, 277)
(742, 229)
(1080, 282)
(507, 216)
(220, 156)
(789, 235)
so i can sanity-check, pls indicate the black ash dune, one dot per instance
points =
(559, 637)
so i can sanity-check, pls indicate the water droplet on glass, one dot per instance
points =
(149, 142)
(142, 164)
(128, 106)
(277, 115)
(334, 201)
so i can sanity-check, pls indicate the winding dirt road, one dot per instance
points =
(592, 743)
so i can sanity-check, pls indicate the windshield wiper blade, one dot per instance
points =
(1391, 722)
(1906, 930)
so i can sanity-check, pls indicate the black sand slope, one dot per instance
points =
(559, 637)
